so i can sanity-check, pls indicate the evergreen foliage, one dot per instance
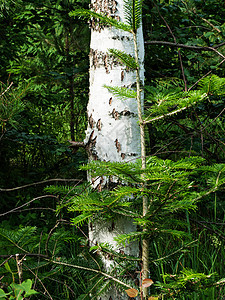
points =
(126, 59)
(102, 19)
(186, 214)
(133, 13)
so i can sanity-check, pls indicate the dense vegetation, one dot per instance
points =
(43, 98)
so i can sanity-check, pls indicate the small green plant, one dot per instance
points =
(18, 291)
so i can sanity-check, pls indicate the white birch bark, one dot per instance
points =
(113, 132)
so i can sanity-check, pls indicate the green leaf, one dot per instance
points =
(26, 285)
(7, 266)
(3, 294)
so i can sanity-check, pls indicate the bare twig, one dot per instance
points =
(175, 41)
(7, 256)
(189, 47)
(210, 229)
(38, 262)
(46, 291)
(6, 90)
(19, 264)
(39, 182)
(49, 236)
(178, 250)
(34, 208)
(214, 118)
(25, 204)
(90, 270)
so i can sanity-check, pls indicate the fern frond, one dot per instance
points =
(88, 14)
(125, 58)
(121, 92)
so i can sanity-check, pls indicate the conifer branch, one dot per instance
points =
(125, 58)
(105, 20)
(166, 115)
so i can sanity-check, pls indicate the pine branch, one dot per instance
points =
(121, 92)
(88, 14)
(133, 13)
(167, 102)
(125, 58)
(166, 115)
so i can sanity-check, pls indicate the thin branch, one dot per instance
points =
(178, 250)
(25, 204)
(205, 75)
(27, 254)
(50, 234)
(210, 229)
(198, 48)
(8, 257)
(166, 115)
(175, 41)
(39, 182)
(6, 90)
(64, 283)
(46, 291)
(35, 208)
(214, 119)
(90, 270)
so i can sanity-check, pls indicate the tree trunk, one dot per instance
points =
(113, 131)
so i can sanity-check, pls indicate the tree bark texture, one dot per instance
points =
(113, 131)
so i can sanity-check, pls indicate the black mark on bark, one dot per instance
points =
(99, 125)
(115, 114)
(102, 59)
(126, 113)
(104, 7)
(91, 121)
(90, 147)
(122, 75)
(118, 145)
(123, 155)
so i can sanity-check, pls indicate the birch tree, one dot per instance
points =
(113, 132)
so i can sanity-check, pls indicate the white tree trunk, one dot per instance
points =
(113, 132)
